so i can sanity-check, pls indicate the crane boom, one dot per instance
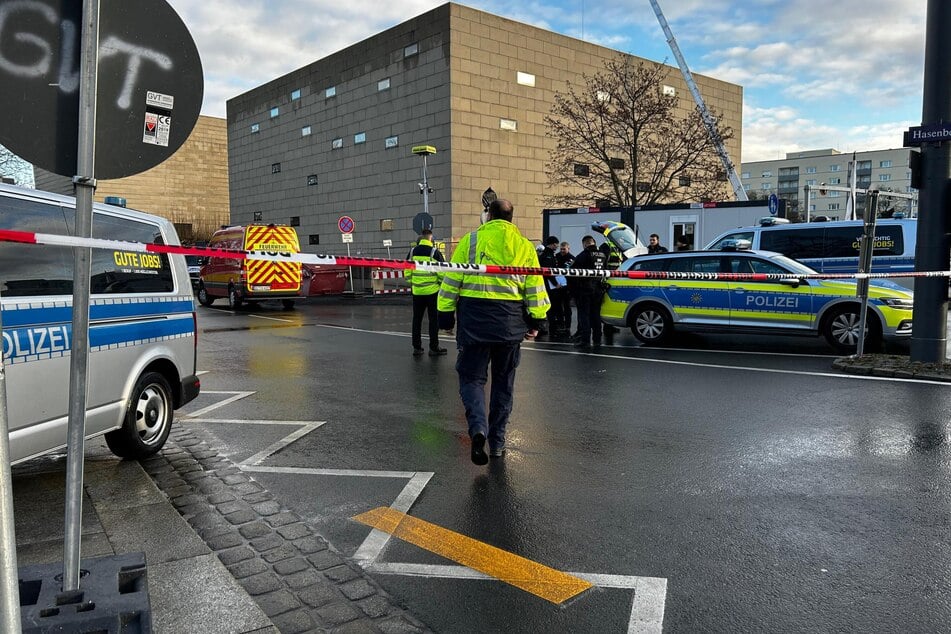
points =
(708, 119)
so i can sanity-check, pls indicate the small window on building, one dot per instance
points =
(684, 181)
(643, 186)
(746, 187)
(255, 128)
(833, 206)
(810, 170)
(616, 163)
(275, 168)
(275, 111)
(884, 163)
(581, 169)
(386, 224)
(258, 216)
(884, 177)
(391, 142)
(295, 221)
(295, 94)
(383, 84)
(811, 182)
(669, 91)
(745, 175)
(311, 180)
(835, 181)
(508, 124)
(766, 186)
(411, 50)
(330, 92)
(313, 238)
(305, 131)
(834, 194)
(835, 167)
(336, 144)
(525, 79)
(767, 174)
(812, 207)
(359, 137)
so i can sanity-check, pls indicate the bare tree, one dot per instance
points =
(619, 142)
(13, 167)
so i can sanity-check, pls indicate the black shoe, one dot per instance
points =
(418, 352)
(478, 449)
(580, 343)
(498, 452)
(436, 352)
(597, 343)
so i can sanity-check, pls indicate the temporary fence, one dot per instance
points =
(379, 276)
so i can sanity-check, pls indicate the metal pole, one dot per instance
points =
(808, 191)
(929, 339)
(350, 269)
(865, 264)
(85, 185)
(9, 584)
(425, 187)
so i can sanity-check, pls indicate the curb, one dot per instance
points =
(294, 575)
(894, 366)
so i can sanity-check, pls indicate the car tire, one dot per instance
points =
(203, 297)
(147, 421)
(288, 304)
(234, 299)
(841, 329)
(651, 324)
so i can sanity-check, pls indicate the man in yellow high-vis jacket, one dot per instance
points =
(495, 313)
(425, 287)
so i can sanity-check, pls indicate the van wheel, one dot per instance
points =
(651, 324)
(148, 419)
(841, 329)
(234, 300)
(288, 304)
(203, 298)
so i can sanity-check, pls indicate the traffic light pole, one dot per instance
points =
(929, 338)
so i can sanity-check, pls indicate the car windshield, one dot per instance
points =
(623, 238)
(193, 260)
(792, 265)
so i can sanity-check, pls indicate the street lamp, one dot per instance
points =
(424, 189)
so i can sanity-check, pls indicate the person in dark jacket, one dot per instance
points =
(588, 293)
(495, 313)
(654, 245)
(565, 257)
(548, 259)
(425, 288)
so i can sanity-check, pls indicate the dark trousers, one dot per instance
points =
(472, 364)
(565, 299)
(589, 317)
(557, 318)
(425, 304)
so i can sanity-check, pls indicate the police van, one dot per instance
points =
(833, 247)
(142, 328)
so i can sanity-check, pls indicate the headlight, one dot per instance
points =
(903, 303)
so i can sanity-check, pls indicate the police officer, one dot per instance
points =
(495, 312)
(425, 289)
(588, 293)
(548, 259)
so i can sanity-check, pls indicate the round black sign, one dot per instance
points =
(150, 84)
(421, 221)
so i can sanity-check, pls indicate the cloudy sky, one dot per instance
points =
(846, 74)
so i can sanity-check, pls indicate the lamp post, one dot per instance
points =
(424, 189)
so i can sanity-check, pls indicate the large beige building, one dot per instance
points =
(190, 188)
(335, 138)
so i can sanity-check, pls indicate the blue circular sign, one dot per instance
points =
(773, 204)
(345, 224)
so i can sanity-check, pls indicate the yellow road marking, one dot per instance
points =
(542, 581)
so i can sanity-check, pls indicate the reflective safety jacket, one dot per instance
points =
(424, 282)
(492, 308)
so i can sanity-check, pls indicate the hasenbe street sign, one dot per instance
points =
(927, 134)
(150, 84)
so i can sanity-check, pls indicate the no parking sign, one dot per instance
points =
(345, 224)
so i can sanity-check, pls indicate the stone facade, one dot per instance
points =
(475, 86)
(190, 188)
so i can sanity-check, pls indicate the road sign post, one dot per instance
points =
(346, 226)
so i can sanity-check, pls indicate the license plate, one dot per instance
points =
(260, 288)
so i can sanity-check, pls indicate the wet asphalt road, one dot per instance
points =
(769, 491)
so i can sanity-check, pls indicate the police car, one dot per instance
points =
(653, 309)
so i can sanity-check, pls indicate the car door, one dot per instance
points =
(770, 304)
(697, 301)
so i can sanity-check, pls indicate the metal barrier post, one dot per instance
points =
(865, 264)
(9, 584)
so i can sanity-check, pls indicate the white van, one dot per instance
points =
(833, 247)
(142, 328)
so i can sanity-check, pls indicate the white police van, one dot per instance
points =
(833, 247)
(142, 328)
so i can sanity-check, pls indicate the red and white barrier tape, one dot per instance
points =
(386, 275)
(26, 237)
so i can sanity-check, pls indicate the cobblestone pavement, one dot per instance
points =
(891, 365)
(293, 574)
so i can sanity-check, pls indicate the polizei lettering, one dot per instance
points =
(25, 342)
(767, 301)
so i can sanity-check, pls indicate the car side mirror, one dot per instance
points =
(792, 281)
